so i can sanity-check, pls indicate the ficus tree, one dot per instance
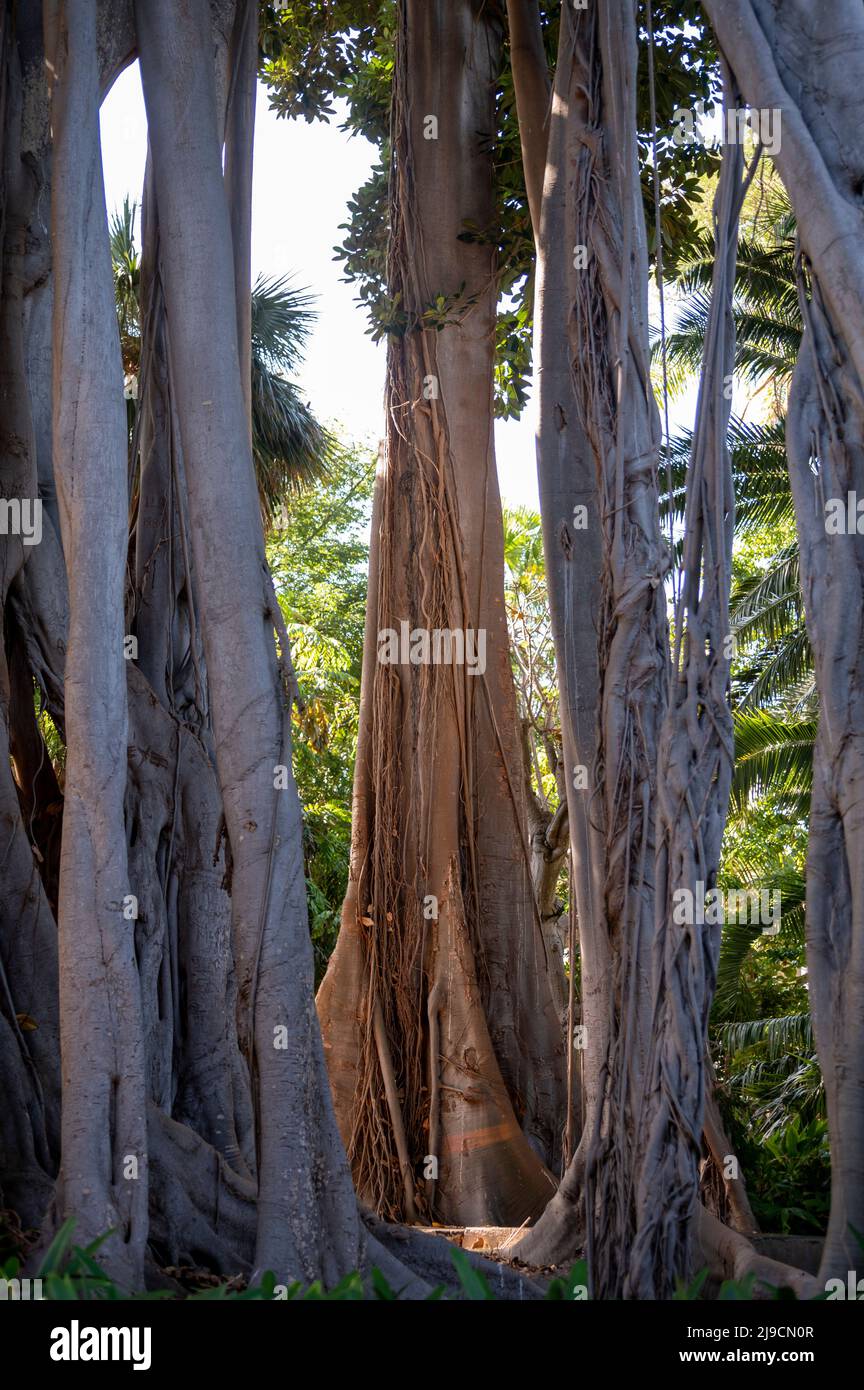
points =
(638, 717)
(353, 51)
(159, 1040)
(817, 103)
(164, 1065)
(443, 1040)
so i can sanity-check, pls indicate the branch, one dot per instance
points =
(533, 95)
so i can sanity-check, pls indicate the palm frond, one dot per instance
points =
(776, 671)
(772, 751)
(126, 265)
(780, 1036)
(291, 449)
(768, 605)
(733, 998)
(282, 319)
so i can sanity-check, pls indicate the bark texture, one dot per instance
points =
(438, 1012)
(614, 639)
(247, 1167)
(633, 737)
(103, 1177)
(29, 1020)
(567, 477)
(694, 773)
(306, 1216)
(809, 66)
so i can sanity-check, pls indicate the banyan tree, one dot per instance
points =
(168, 1076)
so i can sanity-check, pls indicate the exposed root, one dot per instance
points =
(201, 1212)
(559, 1237)
(429, 1259)
(729, 1255)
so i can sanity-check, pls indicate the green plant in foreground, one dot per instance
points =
(71, 1272)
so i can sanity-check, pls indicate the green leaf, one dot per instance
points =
(473, 1282)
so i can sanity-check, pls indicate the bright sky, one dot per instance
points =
(304, 177)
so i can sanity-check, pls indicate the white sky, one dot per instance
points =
(304, 177)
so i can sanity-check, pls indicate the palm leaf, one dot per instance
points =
(772, 752)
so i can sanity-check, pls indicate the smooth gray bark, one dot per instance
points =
(307, 1222)
(103, 1178)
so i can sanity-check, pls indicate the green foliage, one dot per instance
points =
(319, 557)
(531, 647)
(474, 1283)
(789, 1189)
(765, 308)
(777, 1069)
(338, 58)
(688, 1293)
(567, 1289)
(71, 1273)
(773, 753)
(289, 446)
(50, 733)
(126, 262)
(313, 56)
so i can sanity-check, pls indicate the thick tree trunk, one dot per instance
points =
(443, 1041)
(301, 1232)
(567, 477)
(612, 638)
(809, 66)
(103, 1178)
(205, 1198)
(239, 146)
(29, 1024)
(597, 458)
(694, 774)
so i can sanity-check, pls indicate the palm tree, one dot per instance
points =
(290, 447)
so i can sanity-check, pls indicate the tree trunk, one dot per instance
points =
(694, 774)
(611, 632)
(300, 1233)
(443, 1042)
(103, 1177)
(567, 477)
(29, 1023)
(810, 67)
